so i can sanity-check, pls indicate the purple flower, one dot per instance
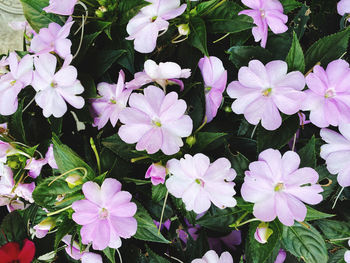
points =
(347, 254)
(157, 173)
(50, 158)
(106, 214)
(215, 79)
(44, 227)
(163, 74)
(61, 7)
(212, 257)
(6, 149)
(278, 188)
(281, 257)
(34, 166)
(155, 121)
(266, 14)
(337, 152)
(199, 182)
(53, 39)
(343, 7)
(54, 89)
(20, 76)
(73, 250)
(146, 25)
(114, 98)
(328, 94)
(263, 90)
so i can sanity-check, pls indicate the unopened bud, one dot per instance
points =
(184, 29)
(263, 233)
(191, 140)
(228, 109)
(13, 164)
(74, 180)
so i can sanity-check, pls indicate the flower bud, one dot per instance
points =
(184, 29)
(74, 180)
(262, 233)
(191, 140)
(44, 227)
(157, 173)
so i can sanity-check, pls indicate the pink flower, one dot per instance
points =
(343, 7)
(61, 7)
(155, 121)
(50, 158)
(20, 76)
(54, 89)
(212, 257)
(145, 26)
(215, 79)
(262, 233)
(114, 98)
(34, 166)
(157, 173)
(281, 256)
(44, 227)
(337, 152)
(263, 90)
(328, 95)
(73, 250)
(199, 182)
(347, 254)
(53, 39)
(106, 214)
(163, 74)
(4, 63)
(278, 188)
(265, 13)
(6, 149)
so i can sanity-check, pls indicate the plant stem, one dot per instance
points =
(93, 146)
(163, 209)
(59, 211)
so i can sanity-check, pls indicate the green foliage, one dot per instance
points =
(241, 55)
(307, 154)
(295, 58)
(198, 35)
(12, 228)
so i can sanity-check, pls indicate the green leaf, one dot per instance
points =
(327, 49)
(313, 214)
(16, 124)
(36, 16)
(232, 25)
(324, 174)
(110, 254)
(204, 139)
(244, 205)
(158, 192)
(238, 161)
(104, 59)
(295, 58)
(338, 256)
(154, 258)
(305, 242)
(308, 154)
(334, 229)
(263, 253)
(146, 229)
(290, 5)
(13, 228)
(241, 55)
(204, 7)
(198, 35)
(67, 160)
(65, 227)
(136, 181)
(278, 138)
(127, 9)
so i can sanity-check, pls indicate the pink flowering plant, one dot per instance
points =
(212, 131)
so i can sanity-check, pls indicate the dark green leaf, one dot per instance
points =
(241, 55)
(65, 227)
(198, 35)
(332, 229)
(110, 254)
(338, 256)
(263, 253)
(308, 154)
(290, 5)
(16, 124)
(233, 25)
(13, 228)
(136, 181)
(295, 58)
(305, 242)
(154, 258)
(204, 139)
(278, 138)
(238, 161)
(313, 214)
(327, 49)
(328, 179)
(244, 205)
(104, 59)
(158, 192)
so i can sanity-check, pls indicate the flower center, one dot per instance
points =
(13, 82)
(157, 123)
(267, 92)
(154, 18)
(53, 84)
(113, 101)
(208, 89)
(330, 93)
(103, 213)
(279, 187)
(200, 182)
(262, 13)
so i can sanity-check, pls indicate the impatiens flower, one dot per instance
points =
(53, 39)
(215, 79)
(61, 7)
(11, 252)
(163, 74)
(55, 89)
(343, 7)
(20, 76)
(155, 121)
(34, 166)
(157, 173)
(44, 227)
(328, 95)
(278, 188)
(6, 149)
(347, 254)
(212, 257)
(4, 63)
(200, 183)
(281, 256)
(266, 14)
(73, 250)
(146, 25)
(106, 214)
(262, 233)
(50, 158)
(337, 152)
(114, 98)
(263, 90)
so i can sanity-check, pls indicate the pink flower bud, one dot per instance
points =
(262, 233)
(157, 173)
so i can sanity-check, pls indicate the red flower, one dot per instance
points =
(10, 252)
